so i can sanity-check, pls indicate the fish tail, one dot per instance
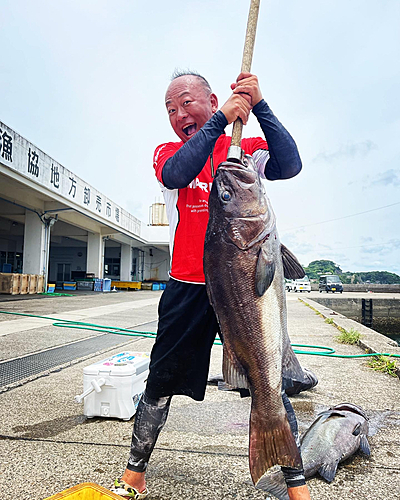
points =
(271, 443)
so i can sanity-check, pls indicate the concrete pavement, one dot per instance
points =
(49, 445)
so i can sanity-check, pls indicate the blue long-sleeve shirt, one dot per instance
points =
(189, 160)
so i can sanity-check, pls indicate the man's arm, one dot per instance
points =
(284, 159)
(189, 160)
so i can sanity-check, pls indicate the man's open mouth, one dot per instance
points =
(190, 129)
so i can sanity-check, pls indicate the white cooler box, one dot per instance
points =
(112, 387)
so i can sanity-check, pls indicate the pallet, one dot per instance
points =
(10, 283)
(24, 284)
(32, 283)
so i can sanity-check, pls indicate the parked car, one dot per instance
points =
(302, 285)
(330, 283)
(299, 285)
(289, 285)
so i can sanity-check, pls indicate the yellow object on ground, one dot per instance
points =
(85, 491)
(133, 285)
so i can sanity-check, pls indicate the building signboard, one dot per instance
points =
(19, 155)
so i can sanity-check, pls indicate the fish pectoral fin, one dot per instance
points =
(265, 272)
(328, 471)
(364, 445)
(234, 373)
(292, 269)
(357, 429)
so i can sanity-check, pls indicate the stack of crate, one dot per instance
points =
(32, 288)
(24, 284)
(14, 283)
(40, 283)
(10, 283)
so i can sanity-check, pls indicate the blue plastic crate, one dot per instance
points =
(69, 285)
(98, 285)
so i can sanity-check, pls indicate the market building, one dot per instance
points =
(53, 223)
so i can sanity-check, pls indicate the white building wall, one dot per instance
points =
(95, 255)
(35, 246)
(156, 265)
(126, 263)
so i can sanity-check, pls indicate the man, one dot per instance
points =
(187, 324)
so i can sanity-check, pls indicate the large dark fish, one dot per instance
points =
(335, 435)
(244, 265)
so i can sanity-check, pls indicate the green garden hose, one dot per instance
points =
(64, 323)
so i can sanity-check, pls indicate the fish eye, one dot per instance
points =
(226, 196)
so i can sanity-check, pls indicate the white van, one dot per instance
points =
(299, 285)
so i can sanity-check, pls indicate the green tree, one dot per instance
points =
(379, 277)
(318, 267)
(376, 277)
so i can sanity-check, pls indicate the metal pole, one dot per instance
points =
(235, 151)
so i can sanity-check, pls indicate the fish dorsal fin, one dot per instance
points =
(357, 430)
(265, 271)
(292, 269)
(364, 445)
(337, 413)
(234, 373)
(244, 232)
(328, 471)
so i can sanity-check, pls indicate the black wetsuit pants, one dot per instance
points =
(150, 418)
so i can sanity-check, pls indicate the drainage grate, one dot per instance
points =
(33, 364)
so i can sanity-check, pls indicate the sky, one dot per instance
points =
(85, 82)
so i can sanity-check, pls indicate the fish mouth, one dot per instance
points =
(241, 173)
(190, 129)
(351, 407)
(228, 166)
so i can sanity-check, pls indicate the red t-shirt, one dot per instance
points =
(187, 208)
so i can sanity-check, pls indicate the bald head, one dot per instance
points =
(179, 73)
(190, 104)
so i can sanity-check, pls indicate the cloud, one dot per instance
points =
(360, 149)
(336, 257)
(382, 249)
(302, 248)
(395, 243)
(366, 239)
(387, 178)
(375, 250)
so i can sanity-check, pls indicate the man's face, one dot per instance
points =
(189, 105)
